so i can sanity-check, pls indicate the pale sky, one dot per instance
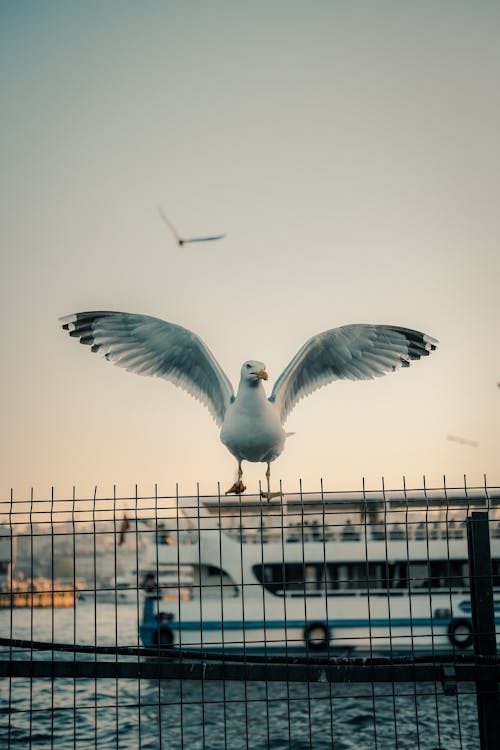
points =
(350, 151)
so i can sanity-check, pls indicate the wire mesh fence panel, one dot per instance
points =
(314, 620)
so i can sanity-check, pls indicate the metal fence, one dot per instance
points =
(318, 620)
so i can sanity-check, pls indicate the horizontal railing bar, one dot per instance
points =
(192, 655)
(235, 671)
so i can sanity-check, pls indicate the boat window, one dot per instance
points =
(397, 531)
(291, 577)
(495, 569)
(350, 532)
(418, 575)
(449, 573)
(212, 570)
(316, 578)
(214, 580)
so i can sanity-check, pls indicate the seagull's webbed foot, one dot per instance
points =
(270, 495)
(238, 488)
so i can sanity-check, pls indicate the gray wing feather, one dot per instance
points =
(356, 352)
(150, 346)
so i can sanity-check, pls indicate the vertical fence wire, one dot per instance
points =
(10, 586)
(431, 626)
(369, 608)
(407, 533)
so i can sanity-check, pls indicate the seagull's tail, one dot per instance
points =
(289, 434)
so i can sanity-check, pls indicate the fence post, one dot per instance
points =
(483, 625)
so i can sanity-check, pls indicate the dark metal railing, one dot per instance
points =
(483, 626)
(25, 660)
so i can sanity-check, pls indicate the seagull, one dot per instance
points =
(252, 425)
(182, 240)
(462, 440)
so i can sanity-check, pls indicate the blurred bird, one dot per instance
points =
(462, 441)
(251, 424)
(183, 240)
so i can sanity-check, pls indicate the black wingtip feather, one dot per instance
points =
(419, 344)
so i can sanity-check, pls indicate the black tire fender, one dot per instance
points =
(317, 636)
(464, 628)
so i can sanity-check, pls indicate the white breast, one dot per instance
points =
(252, 429)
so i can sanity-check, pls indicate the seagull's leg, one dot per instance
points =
(238, 487)
(269, 495)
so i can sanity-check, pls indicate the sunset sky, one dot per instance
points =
(350, 151)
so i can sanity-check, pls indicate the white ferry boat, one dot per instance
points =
(326, 573)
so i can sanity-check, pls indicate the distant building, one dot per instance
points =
(7, 555)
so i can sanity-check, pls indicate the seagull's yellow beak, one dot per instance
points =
(261, 374)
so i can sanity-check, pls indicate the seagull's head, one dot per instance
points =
(252, 372)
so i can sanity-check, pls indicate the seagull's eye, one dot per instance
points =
(248, 366)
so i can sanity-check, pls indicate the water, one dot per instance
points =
(209, 715)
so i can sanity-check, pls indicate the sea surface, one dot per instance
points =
(210, 715)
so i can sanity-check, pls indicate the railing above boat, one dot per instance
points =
(328, 530)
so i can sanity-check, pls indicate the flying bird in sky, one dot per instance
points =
(251, 423)
(462, 440)
(184, 240)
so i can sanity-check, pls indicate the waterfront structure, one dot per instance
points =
(321, 573)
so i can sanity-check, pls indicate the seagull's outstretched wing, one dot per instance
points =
(357, 352)
(170, 225)
(203, 239)
(150, 346)
(183, 240)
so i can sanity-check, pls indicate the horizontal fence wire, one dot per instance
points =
(324, 619)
